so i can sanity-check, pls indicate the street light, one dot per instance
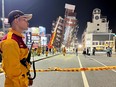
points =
(80, 46)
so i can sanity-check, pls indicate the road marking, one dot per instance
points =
(102, 64)
(83, 75)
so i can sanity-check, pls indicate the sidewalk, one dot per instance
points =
(41, 57)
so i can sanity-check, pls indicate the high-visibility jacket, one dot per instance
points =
(64, 50)
(39, 50)
(13, 50)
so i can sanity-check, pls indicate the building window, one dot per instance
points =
(93, 43)
(98, 29)
(96, 43)
(107, 42)
(97, 24)
(100, 43)
(103, 20)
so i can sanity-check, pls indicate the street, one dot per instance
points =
(102, 78)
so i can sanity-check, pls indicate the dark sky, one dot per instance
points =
(45, 11)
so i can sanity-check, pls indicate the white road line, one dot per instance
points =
(102, 64)
(83, 75)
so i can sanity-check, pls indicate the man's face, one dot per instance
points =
(22, 23)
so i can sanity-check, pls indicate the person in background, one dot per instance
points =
(84, 52)
(73, 50)
(39, 51)
(50, 50)
(47, 51)
(87, 51)
(64, 51)
(14, 50)
(43, 50)
(55, 50)
(76, 51)
(93, 51)
(109, 51)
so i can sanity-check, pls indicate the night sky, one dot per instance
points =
(45, 11)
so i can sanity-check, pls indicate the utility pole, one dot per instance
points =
(3, 26)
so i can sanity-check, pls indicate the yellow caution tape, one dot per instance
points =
(75, 69)
(72, 69)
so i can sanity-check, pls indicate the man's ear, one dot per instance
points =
(16, 21)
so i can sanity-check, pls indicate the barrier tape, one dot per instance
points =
(75, 69)
(72, 69)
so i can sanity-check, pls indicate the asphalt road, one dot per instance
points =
(105, 78)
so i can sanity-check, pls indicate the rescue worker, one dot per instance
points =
(39, 51)
(64, 51)
(46, 51)
(54, 50)
(14, 51)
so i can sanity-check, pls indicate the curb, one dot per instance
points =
(45, 58)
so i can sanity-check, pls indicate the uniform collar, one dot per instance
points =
(15, 32)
